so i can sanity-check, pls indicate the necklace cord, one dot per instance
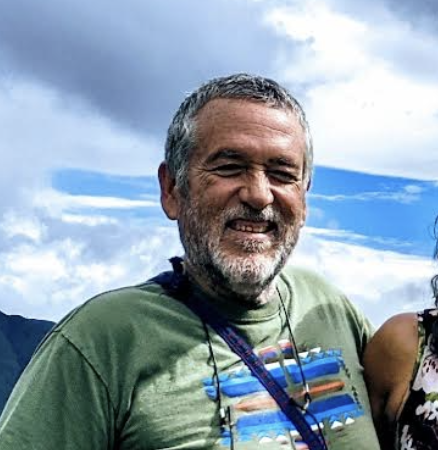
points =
(177, 284)
(224, 415)
(307, 395)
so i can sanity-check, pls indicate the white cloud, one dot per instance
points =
(381, 282)
(327, 35)
(408, 194)
(48, 275)
(47, 279)
(22, 225)
(346, 236)
(88, 220)
(413, 189)
(51, 200)
(367, 112)
(43, 131)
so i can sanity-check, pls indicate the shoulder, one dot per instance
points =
(110, 321)
(110, 307)
(320, 299)
(111, 329)
(396, 339)
(319, 292)
(389, 362)
(306, 279)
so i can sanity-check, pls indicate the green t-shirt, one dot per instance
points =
(135, 369)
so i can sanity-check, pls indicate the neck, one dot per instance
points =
(216, 286)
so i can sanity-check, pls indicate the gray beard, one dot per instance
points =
(250, 277)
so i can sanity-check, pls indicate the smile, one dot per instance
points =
(251, 227)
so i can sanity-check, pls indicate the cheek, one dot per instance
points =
(216, 198)
(209, 185)
(203, 210)
(293, 205)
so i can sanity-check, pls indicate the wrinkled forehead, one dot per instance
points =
(252, 129)
(230, 116)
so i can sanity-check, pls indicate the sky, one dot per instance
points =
(87, 90)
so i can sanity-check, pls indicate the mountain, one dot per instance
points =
(18, 339)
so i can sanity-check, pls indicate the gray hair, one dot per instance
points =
(181, 135)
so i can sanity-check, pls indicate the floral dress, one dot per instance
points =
(417, 427)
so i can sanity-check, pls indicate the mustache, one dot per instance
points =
(269, 214)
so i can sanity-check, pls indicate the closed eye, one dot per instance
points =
(283, 176)
(228, 170)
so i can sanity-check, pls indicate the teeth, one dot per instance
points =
(251, 229)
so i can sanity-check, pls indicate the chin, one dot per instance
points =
(248, 277)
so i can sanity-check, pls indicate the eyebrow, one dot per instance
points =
(282, 161)
(238, 156)
(225, 154)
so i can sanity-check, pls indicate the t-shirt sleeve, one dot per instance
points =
(361, 326)
(60, 402)
(336, 305)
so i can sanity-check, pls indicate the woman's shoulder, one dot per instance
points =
(389, 362)
(394, 345)
(397, 336)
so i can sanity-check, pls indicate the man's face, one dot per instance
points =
(246, 202)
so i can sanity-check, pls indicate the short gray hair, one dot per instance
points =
(181, 135)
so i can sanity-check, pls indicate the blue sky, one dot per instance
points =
(86, 94)
(385, 213)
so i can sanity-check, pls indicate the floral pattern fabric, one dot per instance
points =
(418, 422)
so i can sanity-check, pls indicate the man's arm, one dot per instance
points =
(60, 402)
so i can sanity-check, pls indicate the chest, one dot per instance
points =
(178, 405)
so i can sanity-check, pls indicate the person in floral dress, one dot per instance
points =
(401, 369)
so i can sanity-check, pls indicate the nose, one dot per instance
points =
(257, 191)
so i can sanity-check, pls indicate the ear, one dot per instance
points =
(304, 212)
(309, 184)
(169, 193)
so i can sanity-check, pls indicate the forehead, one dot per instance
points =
(249, 127)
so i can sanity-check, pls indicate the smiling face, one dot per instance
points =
(241, 218)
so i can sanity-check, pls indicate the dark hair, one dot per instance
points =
(181, 135)
(434, 281)
(434, 285)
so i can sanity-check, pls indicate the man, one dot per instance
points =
(135, 368)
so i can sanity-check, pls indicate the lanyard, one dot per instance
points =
(175, 282)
